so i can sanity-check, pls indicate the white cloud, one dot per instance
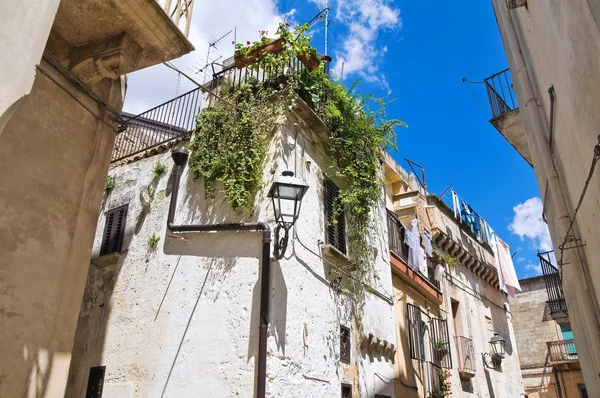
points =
(528, 224)
(537, 268)
(359, 52)
(521, 259)
(210, 20)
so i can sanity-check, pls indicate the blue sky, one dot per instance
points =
(420, 51)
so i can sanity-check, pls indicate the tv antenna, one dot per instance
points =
(323, 15)
(212, 43)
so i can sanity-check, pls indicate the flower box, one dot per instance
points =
(243, 60)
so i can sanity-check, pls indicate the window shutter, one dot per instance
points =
(335, 228)
(114, 230)
(440, 343)
(416, 332)
(95, 382)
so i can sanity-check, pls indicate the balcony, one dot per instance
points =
(466, 357)
(97, 39)
(399, 260)
(505, 112)
(158, 127)
(556, 297)
(562, 352)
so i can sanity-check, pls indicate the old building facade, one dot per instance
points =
(62, 77)
(547, 113)
(168, 312)
(549, 357)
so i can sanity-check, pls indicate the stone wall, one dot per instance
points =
(183, 320)
(560, 43)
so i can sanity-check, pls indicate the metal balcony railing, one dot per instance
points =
(396, 232)
(500, 93)
(172, 120)
(274, 77)
(432, 379)
(562, 351)
(466, 355)
(552, 279)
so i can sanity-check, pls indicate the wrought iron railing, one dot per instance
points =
(163, 123)
(562, 351)
(553, 281)
(433, 380)
(396, 233)
(466, 354)
(275, 77)
(500, 93)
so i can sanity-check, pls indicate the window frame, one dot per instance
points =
(335, 234)
(96, 378)
(345, 355)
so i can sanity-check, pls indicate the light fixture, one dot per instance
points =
(493, 359)
(287, 193)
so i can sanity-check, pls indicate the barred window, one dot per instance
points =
(440, 343)
(416, 332)
(95, 382)
(345, 344)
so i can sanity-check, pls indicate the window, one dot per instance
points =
(416, 332)
(346, 391)
(344, 344)
(335, 224)
(582, 391)
(114, 230)
(95, 382)
(440, 343)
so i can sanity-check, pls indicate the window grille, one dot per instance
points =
(95, 382)
(440, 343)
(345, 344)
(416, 332)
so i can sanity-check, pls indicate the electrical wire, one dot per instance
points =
(466, 81)
(583, 192)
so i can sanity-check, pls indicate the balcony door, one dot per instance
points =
(568, 335)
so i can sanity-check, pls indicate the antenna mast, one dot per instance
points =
(326, 23)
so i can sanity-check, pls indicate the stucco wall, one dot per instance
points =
(54, 155)
(203, 341)
(24, 28)
(478, 304)
(560, 42)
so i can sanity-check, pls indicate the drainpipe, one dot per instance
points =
(539, 142)
(180, 157)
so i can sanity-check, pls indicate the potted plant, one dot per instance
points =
(442, 390)
(441, 347)
(245, 56)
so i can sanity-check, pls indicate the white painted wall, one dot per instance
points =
(203, 341)
(24, 28)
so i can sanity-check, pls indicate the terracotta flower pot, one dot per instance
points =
(310, 61)
(274, 47)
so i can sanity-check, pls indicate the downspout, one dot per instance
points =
(539, 141)
(180, 157)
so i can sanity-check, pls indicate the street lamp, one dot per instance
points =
(287, 193)
(497, 354)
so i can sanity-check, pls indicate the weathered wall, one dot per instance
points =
(24, 28)
(478, 304)
(203, 339)
(560, 42)
(54, 155)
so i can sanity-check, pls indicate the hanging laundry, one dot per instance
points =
(455, 204)
(506, 267)
(414, 245)
(422, 262)
(469, 217)
(438, 273)
(485, 237)
(427, 243)
(407, 236)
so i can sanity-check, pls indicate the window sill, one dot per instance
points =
(106, 260)
(337, 258)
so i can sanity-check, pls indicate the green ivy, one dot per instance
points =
(230, 143)
(231, 137)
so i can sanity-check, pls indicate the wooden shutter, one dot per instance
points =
(416, 332)
(335, 225)
(114, 230)
(440, 343)
(95, 382)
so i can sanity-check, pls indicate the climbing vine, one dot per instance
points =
(231, 137)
